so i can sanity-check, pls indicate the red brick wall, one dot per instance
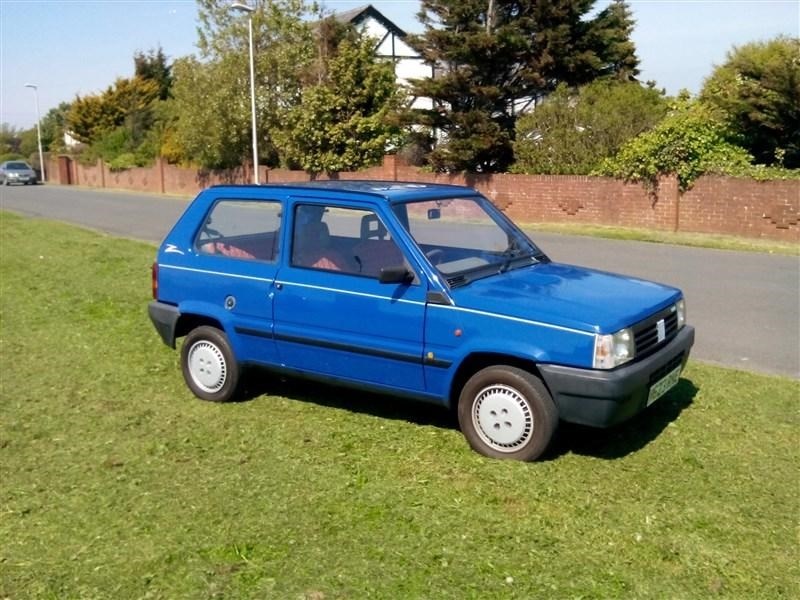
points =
(769, 209)
(91, 176)
(145, 179)
(723, 205)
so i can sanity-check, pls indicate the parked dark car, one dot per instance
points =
(414, 290)
(17, 171)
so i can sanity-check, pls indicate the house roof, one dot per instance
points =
(360, 14)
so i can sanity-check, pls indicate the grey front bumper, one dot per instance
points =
(605, 398)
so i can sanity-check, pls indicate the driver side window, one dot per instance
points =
(346, 240)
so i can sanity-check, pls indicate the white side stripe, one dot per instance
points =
(351, 293)
(510, 318)
(207, 272)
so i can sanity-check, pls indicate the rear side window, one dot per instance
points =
(243, 229)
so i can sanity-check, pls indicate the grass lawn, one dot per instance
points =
(116, 483)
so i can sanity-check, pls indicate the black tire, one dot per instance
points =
(209, 365)
(506, 412)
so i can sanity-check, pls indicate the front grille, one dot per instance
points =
(646, 333)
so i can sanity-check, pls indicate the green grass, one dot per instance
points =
(116, 483)
(700, 240)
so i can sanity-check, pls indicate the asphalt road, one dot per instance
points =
(745, 306)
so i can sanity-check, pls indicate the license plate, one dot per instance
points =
(663, 385)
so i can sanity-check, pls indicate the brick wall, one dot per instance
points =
(768, 209)
(721, 205)
(145, 179)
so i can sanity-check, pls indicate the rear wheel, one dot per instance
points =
(209, 366)
(506, 412)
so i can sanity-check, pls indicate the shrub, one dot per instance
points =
(687, 143)
(572, 131)
(757, 93)
(128, 160)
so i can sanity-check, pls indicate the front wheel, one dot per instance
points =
(209, 366)
(506, 412)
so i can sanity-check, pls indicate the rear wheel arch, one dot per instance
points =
(187, 322)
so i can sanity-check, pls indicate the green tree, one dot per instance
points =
(757, 93)
(134, 100)
(26, 141)
(345, 122)
(92, 116)
(29, 143)
(492, 56)
(89, 116)
(54, 125)
(153, 66)
(115, 123)
(687, 143)
(211, 128)
(10, 141)
(212, 95)
(610, 40)
(572, 131)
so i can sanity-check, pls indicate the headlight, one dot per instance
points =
(680, 310)
(613, 350)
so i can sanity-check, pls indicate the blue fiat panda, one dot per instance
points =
(414, 290)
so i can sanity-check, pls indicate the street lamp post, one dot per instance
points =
(35, 89)
(250, 10)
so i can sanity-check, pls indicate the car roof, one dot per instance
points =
(392, 191)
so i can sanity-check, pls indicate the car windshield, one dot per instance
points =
(466, 238)
(17, 166)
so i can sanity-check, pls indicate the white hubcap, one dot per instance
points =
(502, 418)
(207, 366)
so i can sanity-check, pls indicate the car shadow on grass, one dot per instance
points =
(358, 401)
(628, 437)
(613, 443)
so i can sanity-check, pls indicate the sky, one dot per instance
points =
(79, 47)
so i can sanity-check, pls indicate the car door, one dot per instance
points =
(237, 250)
(333, 316)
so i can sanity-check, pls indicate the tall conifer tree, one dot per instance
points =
(494, 57)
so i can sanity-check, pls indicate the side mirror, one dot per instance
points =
(434, 214)
(398, 274)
